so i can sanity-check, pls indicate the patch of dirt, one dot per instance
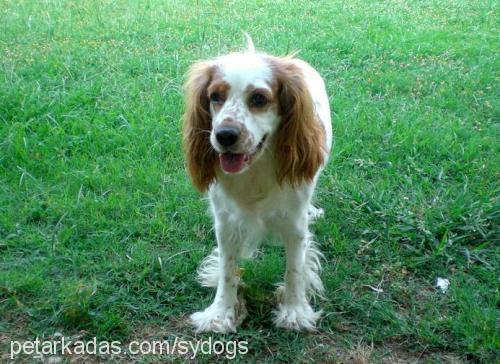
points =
(395, 354)
(324, 348)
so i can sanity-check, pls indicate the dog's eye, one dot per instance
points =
(258, 100)
(215, 97)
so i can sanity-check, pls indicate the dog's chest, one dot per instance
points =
(253, 191)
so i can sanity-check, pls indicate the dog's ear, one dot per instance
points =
(200, 156)
(300, 140)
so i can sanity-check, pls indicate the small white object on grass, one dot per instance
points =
(443, 284)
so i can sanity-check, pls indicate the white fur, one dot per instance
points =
(250, 205)
(241, 70)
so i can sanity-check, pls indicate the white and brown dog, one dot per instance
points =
(257, 133)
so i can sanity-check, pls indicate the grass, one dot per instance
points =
(101, 231)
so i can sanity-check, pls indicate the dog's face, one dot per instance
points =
(243, 106)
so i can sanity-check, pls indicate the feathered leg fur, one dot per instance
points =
(302, 281)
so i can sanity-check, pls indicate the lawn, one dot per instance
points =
(101, 231)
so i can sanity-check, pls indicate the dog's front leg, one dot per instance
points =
(302, 266)
(226, 312)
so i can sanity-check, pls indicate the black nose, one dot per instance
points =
(227, 136)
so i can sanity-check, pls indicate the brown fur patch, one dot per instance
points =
(200, 156)
(270, 96)
(300, 139)
(218, 85)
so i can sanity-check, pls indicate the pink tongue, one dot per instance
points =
(232, 163)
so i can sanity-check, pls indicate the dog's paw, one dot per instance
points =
(219, 318)
(297, 316)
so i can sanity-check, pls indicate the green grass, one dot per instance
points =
(101, 231)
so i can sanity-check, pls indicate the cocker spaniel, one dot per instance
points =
(257, 133)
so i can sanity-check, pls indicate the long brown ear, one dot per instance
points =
(300, 140)
(200, 156)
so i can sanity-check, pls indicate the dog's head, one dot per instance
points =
(238, 105)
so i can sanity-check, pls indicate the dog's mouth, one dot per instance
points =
(235, 162)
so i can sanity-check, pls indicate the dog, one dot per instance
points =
(256, 134)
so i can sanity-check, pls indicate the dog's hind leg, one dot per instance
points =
(314, 213)
(208, 272)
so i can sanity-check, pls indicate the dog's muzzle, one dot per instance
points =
(235, 162)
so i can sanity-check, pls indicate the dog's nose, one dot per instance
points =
(227, 136)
